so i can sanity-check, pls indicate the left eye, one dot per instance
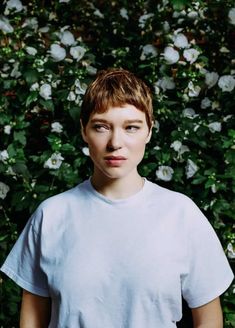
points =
(132, 128)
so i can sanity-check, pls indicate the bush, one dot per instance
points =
(184, 50)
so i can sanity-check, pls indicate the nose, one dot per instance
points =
(115, 141)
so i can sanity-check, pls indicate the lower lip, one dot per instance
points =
(114, 162)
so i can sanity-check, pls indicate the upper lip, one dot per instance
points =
(115, 157)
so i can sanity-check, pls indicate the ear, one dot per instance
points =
(150, 134)
(83, 132)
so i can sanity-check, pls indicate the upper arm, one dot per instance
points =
(208, 315)
(35, 311)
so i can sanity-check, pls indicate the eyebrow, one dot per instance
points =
(94, 120)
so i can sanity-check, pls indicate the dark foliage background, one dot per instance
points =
(50, 51)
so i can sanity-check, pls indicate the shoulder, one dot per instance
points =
(60, 206)
(166, 196)
(64, 199)
(174, 205)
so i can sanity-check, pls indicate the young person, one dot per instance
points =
(118, 251)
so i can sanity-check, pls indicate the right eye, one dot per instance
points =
(100, 127)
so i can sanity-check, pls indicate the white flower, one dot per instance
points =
(214, 188)
(5, 26)
(77, 52)
(143, 19)
(65, 1)
(189, 113)
(194, 90)
(34, 86)
(192, 14)
(45, 91)
(179, 148)
(164, 173)
(205, 103)
(86, 151)
(7, 129)
(31, 22)
(180, 41)
(148, 51)
(166, 83)
(71, 96)
(215, 127)
(211, 79)
(226, 83)
(98, 13)
(16, 5)
(176, 145)
(191, 168)
(57, 52)
(191, 55)
(3, 190)
(44, 29)
(4, 155)
(231, 251)
(231, 16)
(91, 70)
(224, 50)
(54, 162)
(15, 72)
(31, 51)
(124, 13)
(156, 89)
(80, 89)
(166, 27)
(171, 55)
(67, 38)
(56, 127)
(183, 149)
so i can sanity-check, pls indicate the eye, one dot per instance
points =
(132, 128)
(100, 127)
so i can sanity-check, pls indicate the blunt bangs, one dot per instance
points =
(115, 88)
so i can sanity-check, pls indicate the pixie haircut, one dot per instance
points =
(116, 87)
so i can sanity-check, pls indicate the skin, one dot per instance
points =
(120, 131)
(35, 311)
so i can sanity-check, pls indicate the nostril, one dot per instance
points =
(112, 148)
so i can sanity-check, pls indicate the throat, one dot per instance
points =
(117, 188)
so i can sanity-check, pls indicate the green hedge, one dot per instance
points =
(50, 51)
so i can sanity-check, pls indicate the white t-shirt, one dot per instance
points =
(119, 263)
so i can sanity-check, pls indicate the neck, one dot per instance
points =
(117, 188)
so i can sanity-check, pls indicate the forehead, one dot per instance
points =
(124, 112)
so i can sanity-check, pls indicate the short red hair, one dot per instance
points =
(116, 87)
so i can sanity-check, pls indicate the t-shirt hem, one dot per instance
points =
(204, 299)
(24, 284)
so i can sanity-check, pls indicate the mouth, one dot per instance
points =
(114, 161)
(115, 158)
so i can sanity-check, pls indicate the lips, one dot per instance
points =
(114, 161)
(115, 158)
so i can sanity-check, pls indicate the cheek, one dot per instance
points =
(95, 145)
(138, 146)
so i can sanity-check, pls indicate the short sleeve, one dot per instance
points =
(23, 262)
(209, 273)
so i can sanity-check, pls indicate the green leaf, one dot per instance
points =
(31, 76)
(21, 168)
(68, 148)
(47, 104)
(31, 98)
(179, 4)
(20, 137)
